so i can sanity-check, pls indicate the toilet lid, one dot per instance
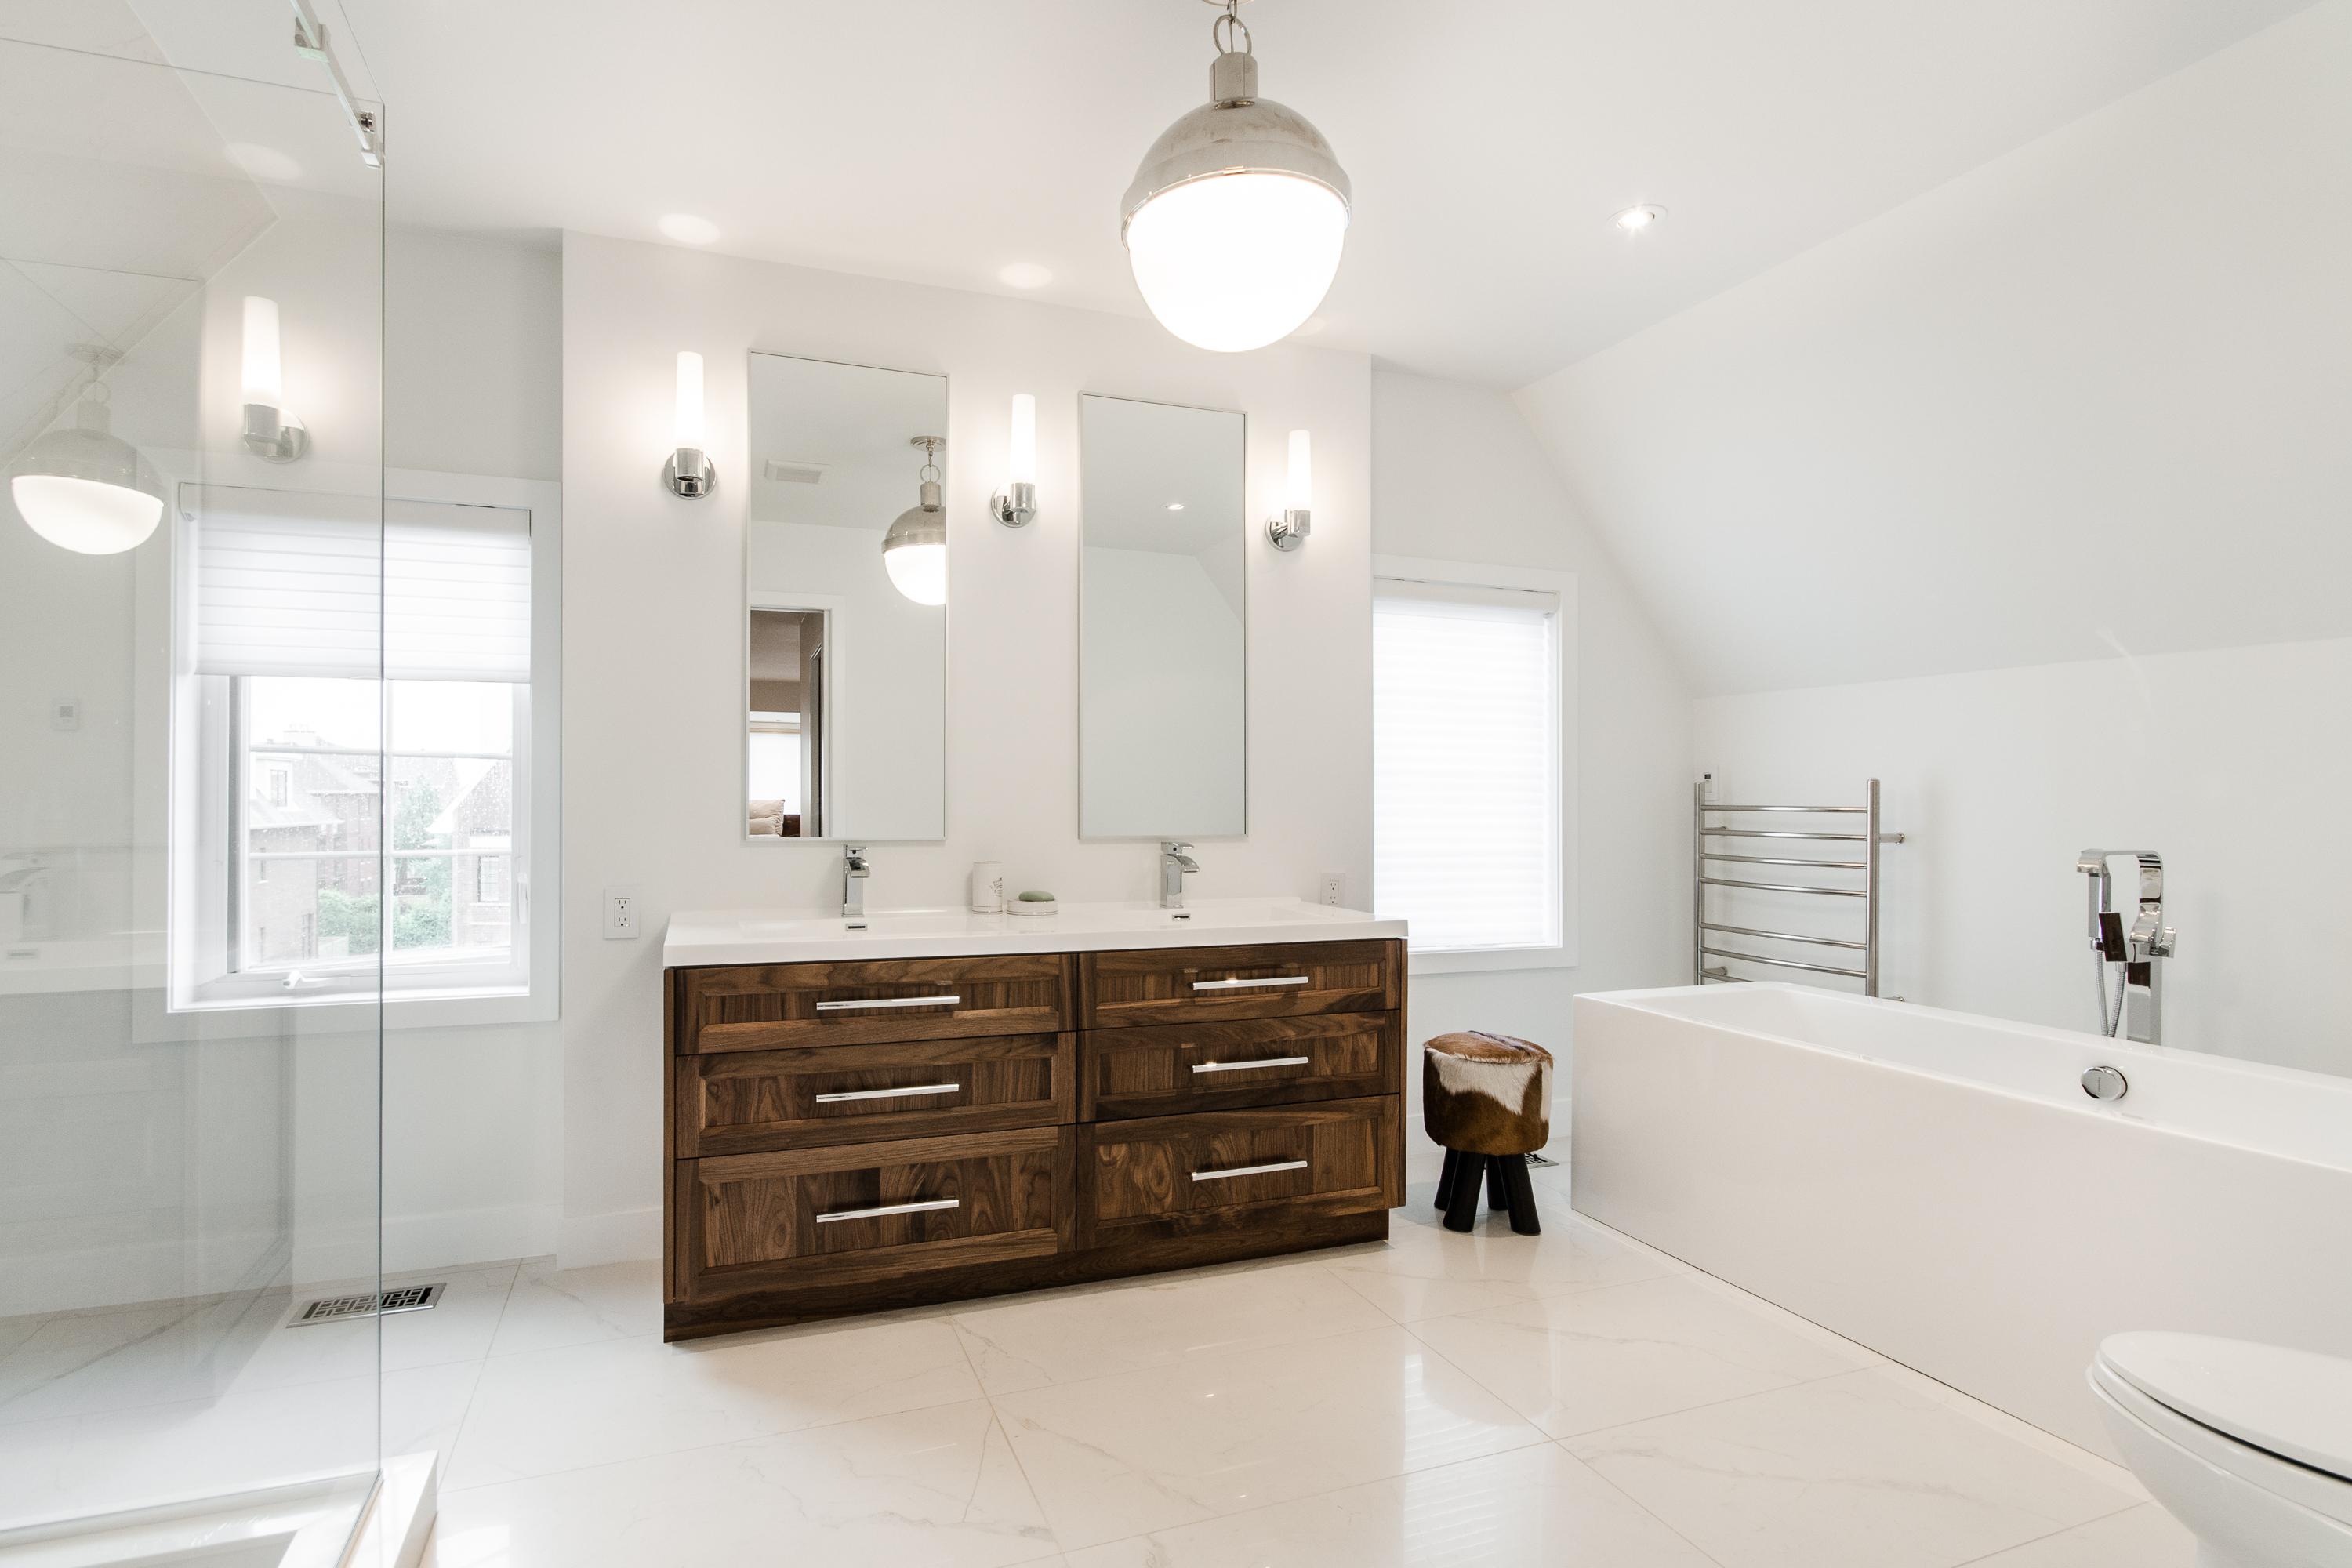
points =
(2293, 1403)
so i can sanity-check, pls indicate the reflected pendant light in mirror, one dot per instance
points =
(1236, 219)
(915, 550)
(84, 487)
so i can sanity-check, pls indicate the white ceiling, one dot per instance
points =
(1488, 144)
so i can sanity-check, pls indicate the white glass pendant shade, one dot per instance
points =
(915, 550)
(1236, 220)
(86, 490)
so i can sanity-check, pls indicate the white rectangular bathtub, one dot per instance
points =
(1939, 1187)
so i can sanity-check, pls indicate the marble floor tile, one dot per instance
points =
(537, 1412)
(1570, 1254)
(1173, 1445)
(549, 1308)
(2142, 1537)
(1852, 1471)
(1054, 1339)
(1622, 1353)
(938, 1486)
(1531, 1508)
(457, 1329)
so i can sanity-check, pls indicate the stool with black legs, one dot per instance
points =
(1485, 1099)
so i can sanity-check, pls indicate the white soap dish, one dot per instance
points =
(1032, 905)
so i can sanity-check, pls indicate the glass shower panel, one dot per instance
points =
(190, 267)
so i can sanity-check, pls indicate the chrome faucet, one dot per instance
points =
(854, 872)
(1174, 864)
(2140, 949)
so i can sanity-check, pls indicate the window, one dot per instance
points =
(333, 825)
(1469, 666)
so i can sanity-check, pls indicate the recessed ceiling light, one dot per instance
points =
(1175, 506)
(1633, 220)
(1025, 275)
(687, 229)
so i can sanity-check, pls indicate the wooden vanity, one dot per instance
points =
(851, 1134)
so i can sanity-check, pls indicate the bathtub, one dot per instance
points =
(1937, 1185)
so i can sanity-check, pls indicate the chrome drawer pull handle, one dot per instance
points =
(923, 1206)
(1245, 1067)
(890, 1002)
(1243, 1170)
(1247, 985)
(849, 1094)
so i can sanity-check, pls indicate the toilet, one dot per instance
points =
(2249, 1445)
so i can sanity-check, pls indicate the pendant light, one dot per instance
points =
(915, 550)
(1236, 219)
(85, 487)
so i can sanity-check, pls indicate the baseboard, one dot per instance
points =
(623, 1236)
(458, 1237)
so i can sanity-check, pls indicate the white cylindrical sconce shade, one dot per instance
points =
(264, 374)
(1298, 487)
(689, 400)
(1021, 457)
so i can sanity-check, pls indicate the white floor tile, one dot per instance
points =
(1571, 1254)
(2142, 1537)
(538, 1412)
(1603, 1357)
(938, 1487)
(550, 1307)
(1055, 1339)
(1531, 1508)
(1145, 1450)
(1855, 1471)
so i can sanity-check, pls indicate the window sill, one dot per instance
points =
(1487, 960)
(419, 1009)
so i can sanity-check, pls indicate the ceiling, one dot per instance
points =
(1489, 144)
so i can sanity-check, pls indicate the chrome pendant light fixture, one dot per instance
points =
(86, 489)
(1238, 217)
(915, 550)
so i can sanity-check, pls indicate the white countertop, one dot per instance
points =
(784, 936)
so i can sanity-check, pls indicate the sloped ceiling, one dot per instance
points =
(2091, 398)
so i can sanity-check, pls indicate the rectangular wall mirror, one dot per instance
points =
(846, 615)
(1162, 693)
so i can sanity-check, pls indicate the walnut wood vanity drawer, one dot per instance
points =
(734, 1102)
(768, 1007)
(1170, 1068)
(1173, 1175)
(1176, 985)
(871, 1211)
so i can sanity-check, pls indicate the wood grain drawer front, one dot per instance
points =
(1175, 985)
(765, 1007)
(872, 1211)
(1170, 1067)
(734, 1102)
(1219, 1169)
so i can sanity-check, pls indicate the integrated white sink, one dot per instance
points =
(777, 936)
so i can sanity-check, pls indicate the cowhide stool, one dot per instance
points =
(1486, 1101)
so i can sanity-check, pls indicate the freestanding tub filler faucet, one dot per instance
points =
(1174, 864)
(2138, 949)
(854, 872)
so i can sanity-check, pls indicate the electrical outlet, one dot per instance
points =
(1331, 889)
(620, 914)
(1710, 787)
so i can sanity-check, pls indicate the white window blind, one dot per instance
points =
(1465, 765)
(298, 583)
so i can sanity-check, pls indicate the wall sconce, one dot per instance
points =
(270, 432)
(1015, 506)
(1297, 519)
(689, 472)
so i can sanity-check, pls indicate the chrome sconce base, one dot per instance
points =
(688, 473)
(1291, 530)
(273, 435)
(1015, 506)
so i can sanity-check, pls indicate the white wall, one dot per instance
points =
(2229, 763)
(653, 647)
(1458, 475)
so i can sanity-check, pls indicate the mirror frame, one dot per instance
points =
(1078, 663)
(745, 606)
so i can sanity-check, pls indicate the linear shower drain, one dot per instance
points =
(402, 1298)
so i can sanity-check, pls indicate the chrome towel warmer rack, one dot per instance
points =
(1705, 837)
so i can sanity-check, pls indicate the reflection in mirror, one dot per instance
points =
(1162, 703)
(845, 575)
